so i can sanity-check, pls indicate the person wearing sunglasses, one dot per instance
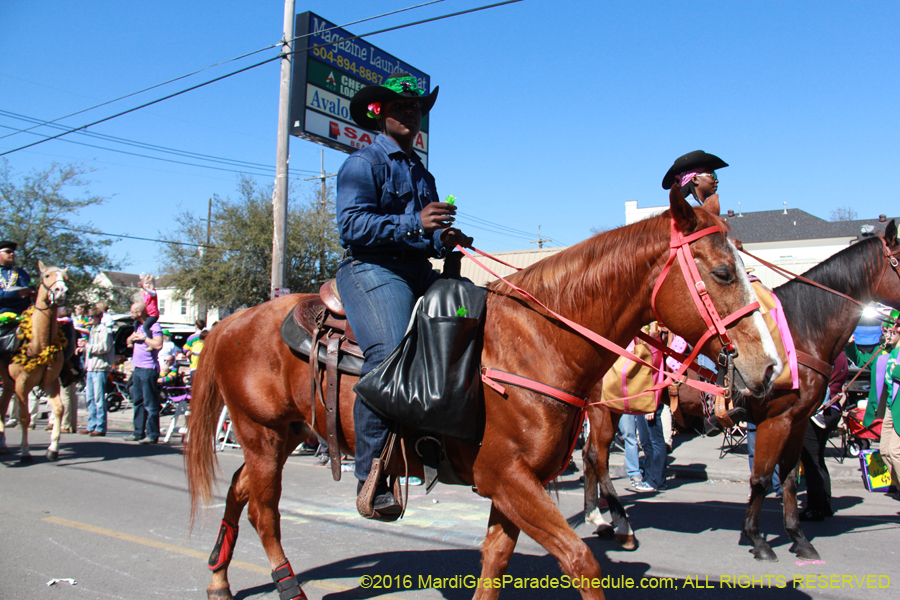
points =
(695, 172)
(15, 293)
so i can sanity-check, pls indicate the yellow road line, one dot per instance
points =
(127, 537)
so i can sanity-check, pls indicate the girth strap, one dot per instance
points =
(817, 365)
(331, 406)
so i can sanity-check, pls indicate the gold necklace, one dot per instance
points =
(12, 278)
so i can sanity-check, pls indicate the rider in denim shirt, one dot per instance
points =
(390, 222)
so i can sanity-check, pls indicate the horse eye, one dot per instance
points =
(723, 274)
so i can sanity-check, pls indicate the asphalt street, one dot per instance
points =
(110, 520)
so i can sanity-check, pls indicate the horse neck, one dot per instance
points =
(602, 284)
(833, 329)
(43, 324)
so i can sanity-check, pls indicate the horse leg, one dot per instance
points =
(518, 494)
(770, 437)
(238, 495)
(496, 552)
(259, 487)
(790, 459)
(22, 391)
(4, 405)
(596, 467)
(56, 415)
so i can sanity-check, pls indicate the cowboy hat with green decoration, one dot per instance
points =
(367, 103)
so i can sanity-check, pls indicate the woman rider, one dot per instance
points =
(695, 172)
(390, 222)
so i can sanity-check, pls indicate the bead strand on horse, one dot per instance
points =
(38, 362)
(605, 283)
(821, 323)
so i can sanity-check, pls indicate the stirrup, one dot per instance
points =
(365, 499)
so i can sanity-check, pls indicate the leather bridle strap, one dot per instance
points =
(680, 248)
(892, 260)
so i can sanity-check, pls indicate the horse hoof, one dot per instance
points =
(764, 555)
(52, 455)
(219, 594)
(627, 541)
(605, 532)
(806, 553)
(26, 460)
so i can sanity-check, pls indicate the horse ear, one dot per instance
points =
(712, 204)
(41, 266)
(890, 234)
(683, 213)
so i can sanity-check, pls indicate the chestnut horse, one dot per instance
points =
(604, 283)
(40, 365)
(821, 322)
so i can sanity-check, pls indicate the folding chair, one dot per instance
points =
(224, 432)
(732, 438)
(182, 407)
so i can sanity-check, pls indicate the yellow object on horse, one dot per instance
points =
(769, 307)
(47, 355)
(628, 378)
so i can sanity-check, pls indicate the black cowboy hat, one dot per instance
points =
(398, 85)
(8, 245)
(690, 161)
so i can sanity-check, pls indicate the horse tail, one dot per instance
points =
(200, 460)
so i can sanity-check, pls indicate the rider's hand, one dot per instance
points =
(451, 237)
(437, 215)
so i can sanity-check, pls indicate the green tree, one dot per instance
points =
(39, 211)
(236, 270)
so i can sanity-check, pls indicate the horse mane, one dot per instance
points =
(580, 275)
(805, 304)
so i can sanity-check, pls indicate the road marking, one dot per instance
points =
(237, 564)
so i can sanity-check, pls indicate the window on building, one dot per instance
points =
(162, 306)
(183, 306)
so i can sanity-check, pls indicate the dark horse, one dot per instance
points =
(821, 322)
(603, 283)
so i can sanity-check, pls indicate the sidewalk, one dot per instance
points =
(697, 457)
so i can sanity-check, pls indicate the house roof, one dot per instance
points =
(795, 224)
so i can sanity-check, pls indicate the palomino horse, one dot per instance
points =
(604, 283)
(821, 322)
(40, 363)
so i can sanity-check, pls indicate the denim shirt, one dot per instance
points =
(380, 192)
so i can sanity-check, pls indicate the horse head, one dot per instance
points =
(53, 287)
(721, 292)
(888, 287)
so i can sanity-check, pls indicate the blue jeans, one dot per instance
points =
(628, 429)
(379, 298)
(751, 451)
(95, 398)
(654, 445)
(145, 398)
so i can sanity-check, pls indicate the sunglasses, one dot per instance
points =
(7, 251)
(711, 175)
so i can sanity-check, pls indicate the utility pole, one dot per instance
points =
(323, 203)
(540, 241)
(202, 308)
(279, 198)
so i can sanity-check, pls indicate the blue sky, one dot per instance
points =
(550, 114)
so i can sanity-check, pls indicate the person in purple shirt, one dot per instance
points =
(144, 393)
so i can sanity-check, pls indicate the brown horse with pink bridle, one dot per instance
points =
(821, 321)
(605, 284)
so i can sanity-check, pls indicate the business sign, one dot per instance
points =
(327, 72)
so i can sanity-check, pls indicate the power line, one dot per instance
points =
(241, 166)
(131, 237)
(173, 80)
(259, 64)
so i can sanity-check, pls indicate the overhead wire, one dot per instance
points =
(259, 64)
(132, 237)
(192, 73)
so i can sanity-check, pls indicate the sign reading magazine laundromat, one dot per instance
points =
(325, 78)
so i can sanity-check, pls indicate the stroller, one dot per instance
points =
(117, 393)
(855, 437)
